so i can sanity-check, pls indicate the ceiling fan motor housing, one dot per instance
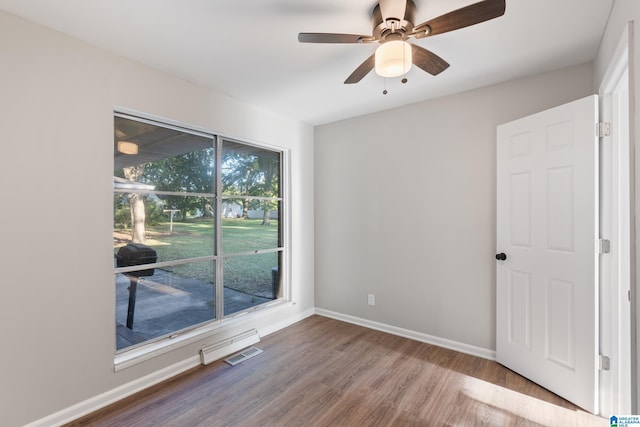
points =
(392, 28)
(393, 20)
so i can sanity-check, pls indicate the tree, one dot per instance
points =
(190, 173)
(136, 205)
(270, 168)
(248, 174)
(237, 176)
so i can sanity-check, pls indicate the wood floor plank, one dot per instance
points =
(323, 372)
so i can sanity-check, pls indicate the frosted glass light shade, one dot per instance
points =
(393, 58)
(126, 147)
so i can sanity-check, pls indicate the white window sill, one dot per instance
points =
(146, 352)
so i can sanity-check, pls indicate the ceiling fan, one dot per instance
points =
(393, 26)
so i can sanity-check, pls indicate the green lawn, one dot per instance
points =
(195, 238)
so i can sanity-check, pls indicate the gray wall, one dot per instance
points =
(57, 305)
(406, 207)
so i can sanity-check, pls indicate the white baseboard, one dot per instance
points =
(417, 336)
(98, 402)
(286, 322)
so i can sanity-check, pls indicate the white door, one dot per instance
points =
(547, 216)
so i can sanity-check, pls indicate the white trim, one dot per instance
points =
(619, 64)
(275, 327)
(140, 354)
(129, 114)
(407, 333)
(286, 224)
(154, 119)
(114, 395)
(100, 401)
(616, 384)
(128, 357)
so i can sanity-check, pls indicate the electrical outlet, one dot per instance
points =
(371, 299)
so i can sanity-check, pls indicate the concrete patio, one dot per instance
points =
(166, 303)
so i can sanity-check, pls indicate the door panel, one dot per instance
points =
(547, 200)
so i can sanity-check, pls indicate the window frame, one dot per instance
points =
(154, 347)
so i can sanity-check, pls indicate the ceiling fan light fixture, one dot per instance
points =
(126, 147)
(393, 58)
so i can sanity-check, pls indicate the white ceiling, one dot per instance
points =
(248, 49)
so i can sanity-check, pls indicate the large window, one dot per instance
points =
(197, 229)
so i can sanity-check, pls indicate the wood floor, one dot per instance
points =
(323, 372)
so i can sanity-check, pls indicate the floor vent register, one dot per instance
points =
(240, 357)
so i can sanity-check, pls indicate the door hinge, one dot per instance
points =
(603, 129)
(604, 362)
(604, 246)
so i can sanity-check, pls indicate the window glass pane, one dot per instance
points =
(244, 235)
(166, 159)
(164, 202)
(171, 299)
(165, 210)
(165, 230)
(250, 280)
(249, 171)
(250, 203)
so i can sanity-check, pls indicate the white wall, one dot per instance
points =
(405, 207)
(57, 302)
(623, 12)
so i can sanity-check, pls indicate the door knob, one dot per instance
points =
(501, 256)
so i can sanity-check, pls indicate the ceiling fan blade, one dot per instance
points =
(393, 9)
(362, 70)
(460, 18)
(427, 60)
(333, 38)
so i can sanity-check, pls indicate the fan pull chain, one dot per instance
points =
(404, 69)
(384, 80)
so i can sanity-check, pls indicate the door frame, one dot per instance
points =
(617, 269)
